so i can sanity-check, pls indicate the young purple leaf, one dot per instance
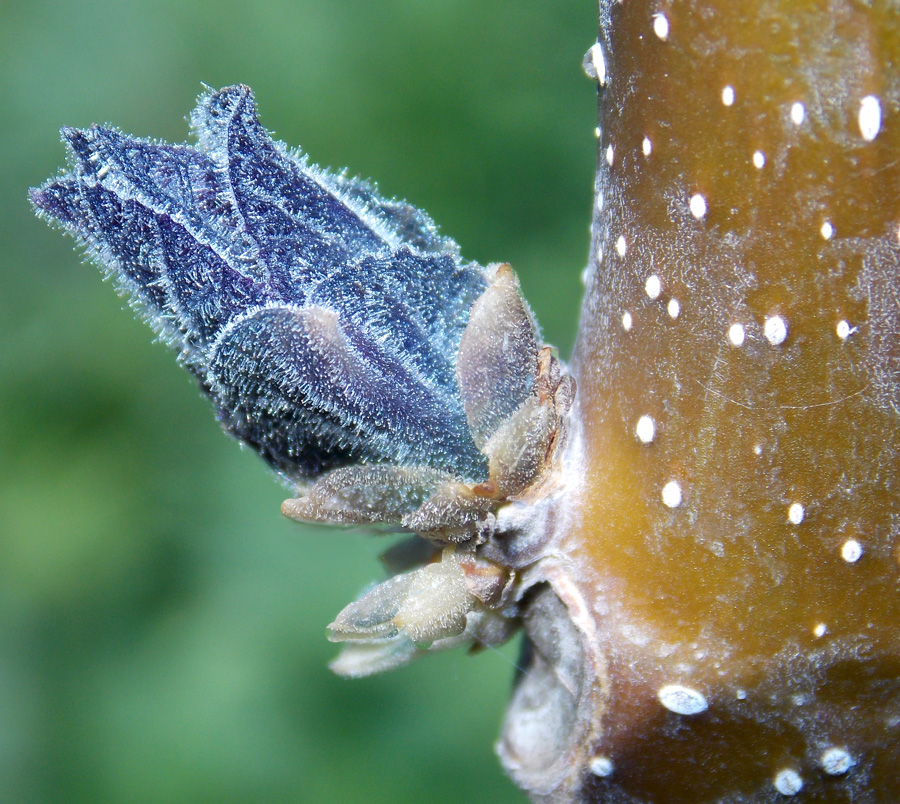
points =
(321, 319)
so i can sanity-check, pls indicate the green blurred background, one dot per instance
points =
(162, 629)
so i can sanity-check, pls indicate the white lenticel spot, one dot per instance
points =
(595, 64)
(626, 321)
(836, 761)
(869, 117)
(646, 146)
(671, 494)
(796, 513)
(682, 700)
(728, 95)
(698, 206)
(610, 155)
(788, 782)
(653, 286)
(819, 630)
(775, 329)
(586, 276)
(661, 26)
(844, 330)
(798, 113)
(827, 230)
(736, 334)
(645, 429)
(103, 172)
(758, 449)
(674, 308)
(601, 766)
(759, 159)
(597, 132)
(621, 246)
(851, 551)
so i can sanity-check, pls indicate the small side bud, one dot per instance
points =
(497, 359)
(427, 604)
(359, 495)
